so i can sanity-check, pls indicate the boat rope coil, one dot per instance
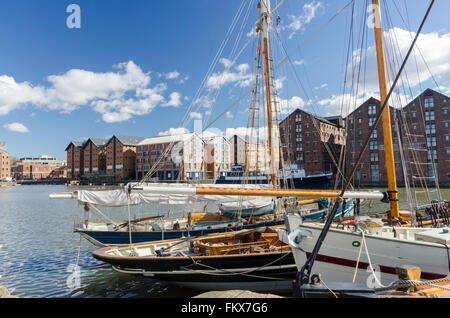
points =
(402, 283)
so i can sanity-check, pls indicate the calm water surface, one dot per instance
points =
(39, 251)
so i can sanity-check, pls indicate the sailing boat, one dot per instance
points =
(335, 250)
(160, 227)
(221, 261)
(230, 197)
(252, 259)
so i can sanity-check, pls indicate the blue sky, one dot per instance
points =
(134, 67)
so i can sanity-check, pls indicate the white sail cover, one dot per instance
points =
(254, 203)
(120, 197)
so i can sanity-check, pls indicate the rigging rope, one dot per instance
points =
(231, 273)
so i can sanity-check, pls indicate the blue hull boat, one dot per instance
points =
(248, 212)
(112, 238)
(347, 209)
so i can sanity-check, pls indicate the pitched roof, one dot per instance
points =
(78, 144)
(127, 140)
(100, 143)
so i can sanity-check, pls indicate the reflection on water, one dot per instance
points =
(39, 253)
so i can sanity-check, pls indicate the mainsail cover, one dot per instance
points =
(122, 197)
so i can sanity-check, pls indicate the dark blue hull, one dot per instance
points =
(112, 238)
(318, 182)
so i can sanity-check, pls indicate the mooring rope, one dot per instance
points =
(414, 283)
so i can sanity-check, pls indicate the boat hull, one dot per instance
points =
(259, 272)
(338, 256)
(312, 182)
(113, 238)
(349, 210)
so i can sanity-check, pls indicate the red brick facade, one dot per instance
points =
(38, 168)
(121, 158)
(305, 139)
(75, 160)
(421, 129)
(94, 158)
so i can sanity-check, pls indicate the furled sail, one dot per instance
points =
(123, 197)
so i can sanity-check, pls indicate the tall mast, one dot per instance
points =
(265, 18)
(386, 116)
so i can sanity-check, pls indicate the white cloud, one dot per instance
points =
(14, 95)
(279, 83)
(175, 100)
(205, 101)
(174, 131)
(241, 78)
(299, 62)
(79, 87)
(172, 75)
(343, 104)
(195, 115)
(184, 79)
(16, 127)
(229, 115)
(297, 23)
(246, 132)
(117, 96)
(432, 48)
(287, 106)
(324, 85)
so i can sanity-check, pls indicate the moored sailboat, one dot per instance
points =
(336, 251)
(249, 259)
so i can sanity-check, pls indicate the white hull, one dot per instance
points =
(337, 258)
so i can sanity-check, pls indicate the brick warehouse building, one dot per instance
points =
(372, 168)
(75, 160)
(121, 157)
(94, 158)
(426, 134)
(305, 138)
(108, 159)
(5, 162)
(38, 168)
(421, 129)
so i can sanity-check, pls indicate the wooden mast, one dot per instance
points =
(386, 116)
(264, 22)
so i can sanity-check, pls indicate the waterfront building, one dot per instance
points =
(75, 160)
(421, 148)
(58, 173)
(253, 156)
(5, 162)
(258, 157)
(94, 158)
(372, 167)
(121, 157)
(36, 168)
(425, 123)
(312, 142)
(238, 151)
(217, 156)
(184, 161)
